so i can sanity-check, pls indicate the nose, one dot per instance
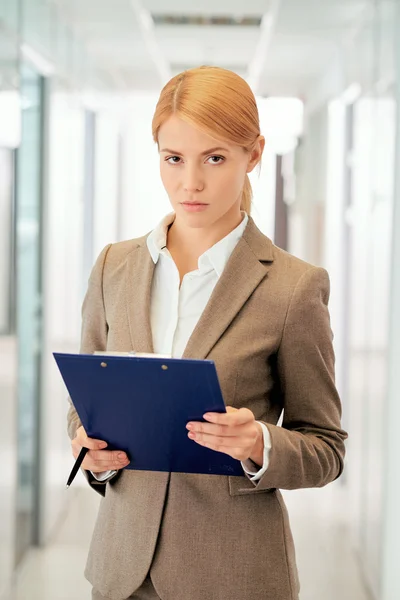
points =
(193, 180)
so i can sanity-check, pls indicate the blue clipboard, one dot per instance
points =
(142, 405)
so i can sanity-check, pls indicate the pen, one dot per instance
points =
(77, 466)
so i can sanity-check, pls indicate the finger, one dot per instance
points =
(231, 417)
(104, 465)
(107, 456)
(99, 467)
(96, 468)
(101, 456)
(91, 443)
(211, 428)
(217, 441)
(76, 448)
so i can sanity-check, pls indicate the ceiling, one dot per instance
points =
(302, 40)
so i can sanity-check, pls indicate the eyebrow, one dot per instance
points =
(209, 151)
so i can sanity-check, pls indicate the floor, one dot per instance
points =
(328, 569)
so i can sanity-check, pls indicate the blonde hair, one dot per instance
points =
(217, 101)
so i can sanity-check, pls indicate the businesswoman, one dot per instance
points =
(207, 284)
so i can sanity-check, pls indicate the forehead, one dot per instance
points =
(181, 136)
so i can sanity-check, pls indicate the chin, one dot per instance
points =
(195, 220)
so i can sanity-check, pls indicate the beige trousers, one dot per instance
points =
(145, 592)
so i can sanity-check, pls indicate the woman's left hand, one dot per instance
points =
(235, 433)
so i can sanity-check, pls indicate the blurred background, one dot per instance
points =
(79, 81)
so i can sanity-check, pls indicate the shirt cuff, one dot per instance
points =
(103, 476)
(249, 465)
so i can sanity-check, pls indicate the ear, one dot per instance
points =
(256, 153)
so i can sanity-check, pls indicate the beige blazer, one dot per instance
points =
(208, 537)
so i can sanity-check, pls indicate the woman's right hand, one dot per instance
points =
(97, 459)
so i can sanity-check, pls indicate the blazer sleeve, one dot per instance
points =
(308, 450)
(93, 338)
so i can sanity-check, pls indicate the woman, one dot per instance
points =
(206, 283)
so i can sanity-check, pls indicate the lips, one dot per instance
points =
(194, 207)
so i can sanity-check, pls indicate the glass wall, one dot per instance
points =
(372, 125)
(391, 500)
(9, 84)
(346, 169)
(52, 192)
(6, 239)
(29, 304)
(8, 368)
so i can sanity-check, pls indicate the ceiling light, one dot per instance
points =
(206, 20)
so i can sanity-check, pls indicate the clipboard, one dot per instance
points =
(141, 405)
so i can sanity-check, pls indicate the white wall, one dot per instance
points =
(106, 186)
(263, 183)
(144, 200)
(263, 180)
(306, 213)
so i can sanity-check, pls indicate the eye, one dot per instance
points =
(171, 160)
(219, 160)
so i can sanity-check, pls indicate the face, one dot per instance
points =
(203, 176)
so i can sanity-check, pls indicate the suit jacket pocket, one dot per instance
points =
(242, 486)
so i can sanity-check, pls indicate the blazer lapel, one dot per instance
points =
(140, 267)
(246, 268)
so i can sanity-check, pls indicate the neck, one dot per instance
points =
(194, 242)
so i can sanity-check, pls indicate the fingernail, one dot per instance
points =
(103, 445)
(121, 456)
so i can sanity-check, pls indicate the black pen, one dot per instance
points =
(77, 465)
